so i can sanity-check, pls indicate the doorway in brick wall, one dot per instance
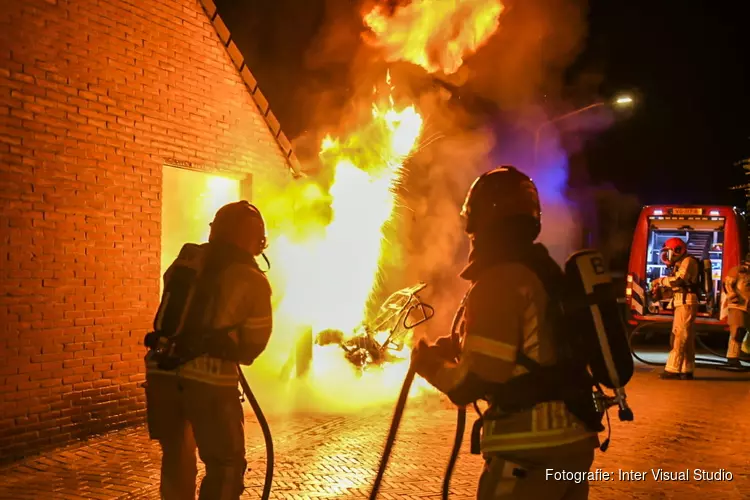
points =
(189, 201)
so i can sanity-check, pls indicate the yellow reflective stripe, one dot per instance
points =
(536, 434)
(225, 381)
(549, 415)
(682, 270)
(491, 348)
(548, 439)
(155, 371)
(258, 322)
(210, 370)
(152, 367)
(560, 415)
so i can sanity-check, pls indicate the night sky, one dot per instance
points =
(684, 60)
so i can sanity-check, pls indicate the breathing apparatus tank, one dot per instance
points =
(592, 311)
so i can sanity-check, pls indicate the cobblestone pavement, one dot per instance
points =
(678, 425)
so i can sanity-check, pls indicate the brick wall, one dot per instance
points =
(95, 97)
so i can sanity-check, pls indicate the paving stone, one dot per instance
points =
(701, 424)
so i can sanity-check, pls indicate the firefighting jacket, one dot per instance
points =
(235, 296)
(506, 314)
(684, 281)
(737, 287)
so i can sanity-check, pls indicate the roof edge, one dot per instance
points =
(251, 84)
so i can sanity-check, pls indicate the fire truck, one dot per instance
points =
(715, 235)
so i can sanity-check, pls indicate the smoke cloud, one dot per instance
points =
(319, 75)
(483, 116)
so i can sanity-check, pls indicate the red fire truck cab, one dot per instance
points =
(712, 233)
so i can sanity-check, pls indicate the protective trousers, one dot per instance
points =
(529, 474)
(184, 415)
(681, 357)
(738, 320)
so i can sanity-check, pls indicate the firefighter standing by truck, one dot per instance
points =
(215, 313)
(737, 290)
(509, 322)
(684, 284)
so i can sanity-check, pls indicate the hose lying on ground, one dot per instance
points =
(711, 364)
(266, 433)
(393, 431)
(710, 351)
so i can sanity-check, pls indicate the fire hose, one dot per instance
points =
(708, 363)
(456, 335)
(396, 422)
(457, 440)
(711, 364)
(266, 433)
(393, 431)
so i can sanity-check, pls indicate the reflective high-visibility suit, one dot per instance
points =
(684, 284)
(198, 404)
(507, 315)
(737, 289)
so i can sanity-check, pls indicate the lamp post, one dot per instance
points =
(622, 101)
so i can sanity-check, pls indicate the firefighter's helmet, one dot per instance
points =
(240, 224)
(673, 250)
(499, 196)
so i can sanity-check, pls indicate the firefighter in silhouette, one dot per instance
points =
(684, 283)
(737, 290)
(215, 313)
(509, 330)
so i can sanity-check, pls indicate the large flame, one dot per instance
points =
(434, 34)
(329, 249)
(326, 241)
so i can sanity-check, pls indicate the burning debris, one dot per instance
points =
(384, 338)
(333, 251)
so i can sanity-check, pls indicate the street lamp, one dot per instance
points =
(621, 101)
(624, 100)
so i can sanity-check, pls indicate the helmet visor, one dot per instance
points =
(667, 256)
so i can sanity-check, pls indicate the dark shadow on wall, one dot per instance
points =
(276, 39)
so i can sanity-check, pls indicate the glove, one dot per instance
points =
(656, 287)
(151, 340)
(223, 347)
(446, 348)
(425, 358)
(419, 351)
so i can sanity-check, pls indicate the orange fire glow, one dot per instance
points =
(435, 34)
(329, 260)
(327, 242)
